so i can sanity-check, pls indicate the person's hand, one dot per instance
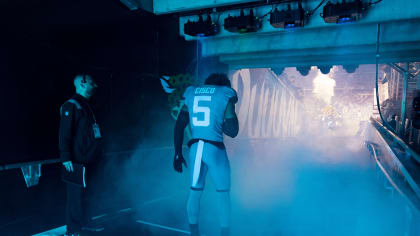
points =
(178, 161)
(68, 165)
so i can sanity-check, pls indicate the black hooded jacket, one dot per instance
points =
(77, 142)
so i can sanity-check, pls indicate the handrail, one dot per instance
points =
(408, 151)
(22, 164)
(388, 176)
(57, 160)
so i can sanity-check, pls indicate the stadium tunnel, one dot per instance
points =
(314, 155)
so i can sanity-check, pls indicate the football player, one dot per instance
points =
(210, 110)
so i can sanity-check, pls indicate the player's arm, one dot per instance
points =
(66, 135)
(231, 123)
(181, 122)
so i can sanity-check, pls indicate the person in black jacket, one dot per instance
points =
(79, 143)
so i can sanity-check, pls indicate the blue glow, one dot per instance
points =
(344, 20)
(288, 26)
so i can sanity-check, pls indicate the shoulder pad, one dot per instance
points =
(231, 94)
(76, 103)
(187, 91)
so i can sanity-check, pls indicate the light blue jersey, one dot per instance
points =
(206, 107)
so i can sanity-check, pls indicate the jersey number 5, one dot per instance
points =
(201, 109)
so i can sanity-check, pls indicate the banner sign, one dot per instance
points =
(267, 108)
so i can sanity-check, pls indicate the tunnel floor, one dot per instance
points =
(326, 187)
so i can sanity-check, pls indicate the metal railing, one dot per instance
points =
(57, 160)
(31, 163)
(389, 177)
(409, 152)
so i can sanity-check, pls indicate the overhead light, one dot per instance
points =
(350, 68)
(243, 23)
(278, 70)
(324, 69)
(201, 28)
(303, 70)
(344, 12)
(288, 18)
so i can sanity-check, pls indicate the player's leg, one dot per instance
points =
(193, 210)
(224, 211)
(219, 170)
(193, 203)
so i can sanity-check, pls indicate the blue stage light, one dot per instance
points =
(345, 12)
(243, 23)
(289, 18)
(344, 20)
(201, 28)
(287, 26)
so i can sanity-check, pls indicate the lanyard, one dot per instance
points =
(91, 111)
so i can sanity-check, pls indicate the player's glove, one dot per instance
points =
(178, 161)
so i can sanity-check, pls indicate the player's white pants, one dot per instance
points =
(205, 157)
